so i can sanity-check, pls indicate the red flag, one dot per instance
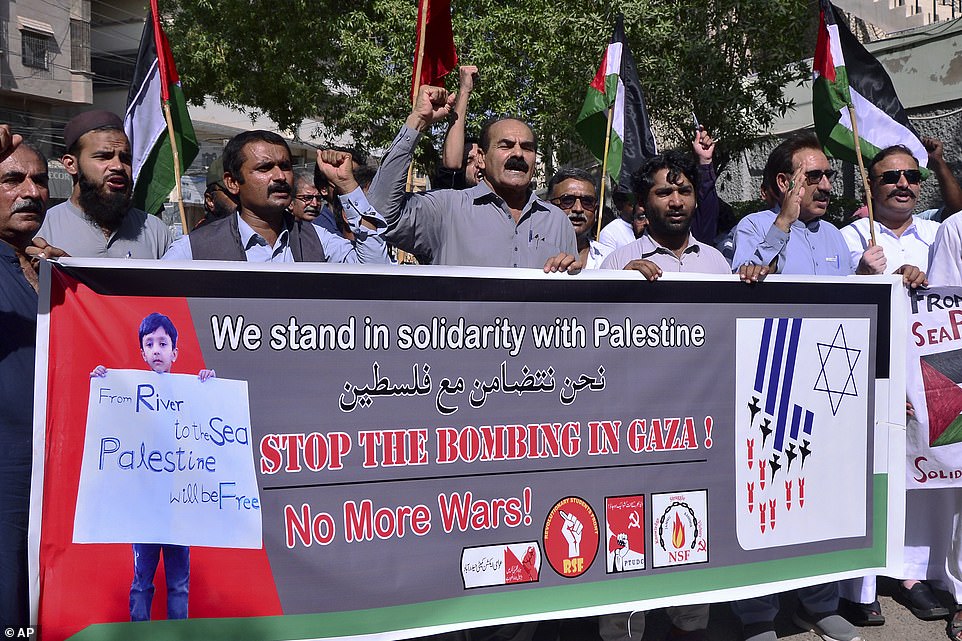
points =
(435, 39)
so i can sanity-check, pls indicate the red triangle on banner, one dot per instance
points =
(944, 400)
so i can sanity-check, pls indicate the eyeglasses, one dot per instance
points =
(306, 198)
(892, 176)
(814, 176)
(567, 201)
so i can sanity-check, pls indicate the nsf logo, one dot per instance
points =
(20, 633)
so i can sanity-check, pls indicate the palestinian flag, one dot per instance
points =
(435, 44)
(941, 378)
(846, 74)
(616, 87)
(155, 84)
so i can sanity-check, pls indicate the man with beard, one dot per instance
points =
(499, 222)
(258, 172)
(97, 220)
(23, 200)
(218, 202)
(573, 192)
(665, 192)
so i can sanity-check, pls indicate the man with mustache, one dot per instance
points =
(791, 238)
(895, 180)
(97, 220)
(23, 201)
(573, 191)
(499, 222)
(258, 172)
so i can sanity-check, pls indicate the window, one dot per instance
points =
(79, 45)
(35, 50)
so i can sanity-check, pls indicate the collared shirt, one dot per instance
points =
(469, 227)
(697, 258)
(596, 254)
(815, 247)
(945, 255)
(911, 248)
(617, 233)
(368, 245)
(140, 235)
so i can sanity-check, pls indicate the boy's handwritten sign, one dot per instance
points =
(167, 459)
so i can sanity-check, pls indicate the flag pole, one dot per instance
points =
(176, 155)
(418, 63)
(861, 169)
(604, 173)
(402, 256)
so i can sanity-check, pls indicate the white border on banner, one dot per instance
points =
(889, 415)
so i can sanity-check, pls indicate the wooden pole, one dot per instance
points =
(604, 173)
(418, 64)
(402, 256)
(173, 149)
(861, 169)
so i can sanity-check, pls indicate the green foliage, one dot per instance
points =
(348, 64)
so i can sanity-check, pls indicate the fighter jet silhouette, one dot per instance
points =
(754, 408)
(774, 465)
(790, 455)
(804, 451)
(766, 430)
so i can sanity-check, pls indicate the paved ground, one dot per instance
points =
(900, 624)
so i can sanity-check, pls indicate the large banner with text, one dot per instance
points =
(296, 452)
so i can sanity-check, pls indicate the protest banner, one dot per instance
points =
(442, 448)
(934, 438)
(167, 459)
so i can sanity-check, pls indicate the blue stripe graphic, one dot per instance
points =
(763, 355)
(796, 325)
(776, 366)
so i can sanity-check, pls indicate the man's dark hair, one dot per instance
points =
(677, 164)
(621, 196)
(780, 160)
(364, 175)
(571, 173)
(891, 150)
(154, 321)
(484, 140)
(26, 144)
(234, 151)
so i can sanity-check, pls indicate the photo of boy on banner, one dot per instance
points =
(158, 346)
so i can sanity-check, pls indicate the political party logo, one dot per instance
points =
(679, 528)
(625, 532)
(509, 564)
(941, 379)
(801, 413)
(571, 537)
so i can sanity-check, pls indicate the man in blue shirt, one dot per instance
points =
(791, 238)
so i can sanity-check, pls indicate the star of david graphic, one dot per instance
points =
(837, 376)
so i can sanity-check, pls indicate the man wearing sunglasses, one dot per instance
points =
(791, 238)
(901, 238)
(573, 192)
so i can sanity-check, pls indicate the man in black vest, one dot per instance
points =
(258, 172)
